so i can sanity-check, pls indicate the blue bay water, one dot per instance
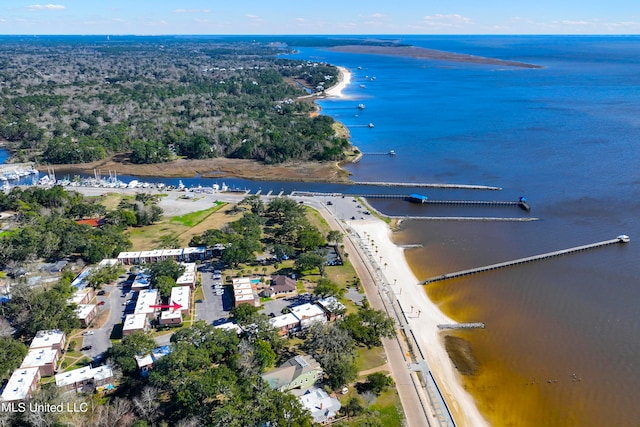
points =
(561, 343)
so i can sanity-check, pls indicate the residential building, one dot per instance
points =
(21, 385)
(281, 286)
(309, 314)
(189, 276)
(323, 407)
(150, 256)
(170, 317)
(299, 372)
(135, 322)
(77, 379)
(45, 359)
(140, 282)
(245, 291)
(174, 254)
(333, 308)
(86, 313)
(230, 326)
(55, 339)
(147, 300)
(129, 258)
(193, 254)
(82, 296)
(285, 324)
(181, 295)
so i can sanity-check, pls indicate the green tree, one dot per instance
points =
(378, 382)
(327, 288)
(244, 313)
(164, 285)
(310, 238)
(334, 236)
(334, 349)
(168, 268)
(122, 353)
(12, 352)
(368, 326)
(309, 261)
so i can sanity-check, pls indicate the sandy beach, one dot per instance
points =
(344, 80)
(423, 318)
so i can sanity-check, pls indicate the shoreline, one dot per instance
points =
(344, 80)
(424, 325)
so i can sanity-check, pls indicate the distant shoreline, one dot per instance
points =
(420, 52)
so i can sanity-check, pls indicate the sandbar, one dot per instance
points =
(420, 52)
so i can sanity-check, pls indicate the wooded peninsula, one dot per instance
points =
(150, 100)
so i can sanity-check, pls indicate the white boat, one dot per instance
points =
(624, 238)
(361, 106)
(224, 187)
(392, 152)
(370, 125)
(133, 184)
(362, 86)
(215, 187)
(3, 178)
(180, 186)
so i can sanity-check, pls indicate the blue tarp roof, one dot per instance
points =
(417, 196)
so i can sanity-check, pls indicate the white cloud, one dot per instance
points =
(250, 16)
(570, 22)
(192, 11)
(300, 19)
(46, 7)
(440, 20)
(377, 16)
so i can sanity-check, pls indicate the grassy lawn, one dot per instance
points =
(369, 358)
(182, 227)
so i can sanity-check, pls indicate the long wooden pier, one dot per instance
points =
(520, 203)
(620, 239)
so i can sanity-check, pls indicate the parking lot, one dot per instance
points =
(218, 298)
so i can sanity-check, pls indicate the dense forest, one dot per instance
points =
(72, 101)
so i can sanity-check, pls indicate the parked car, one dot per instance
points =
(101, 292)
(101, 303)
(86, 347)
(88, 333)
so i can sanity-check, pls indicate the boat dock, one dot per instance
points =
(423, 200)
(620, 239)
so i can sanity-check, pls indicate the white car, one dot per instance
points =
(88, 333)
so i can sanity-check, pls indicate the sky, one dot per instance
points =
(155, 17)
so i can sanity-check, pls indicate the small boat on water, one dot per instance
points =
(360, 106)
(362, 86)
(133, 184)
(370, 125)
(392, 152)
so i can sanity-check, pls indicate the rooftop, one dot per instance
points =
(19, 384)
(146, 298)
(83, 374)
(290, 370)
(307, 311)
(181, 295)
(47, 339)
(39, 357)
(134, 322)
(84, 310)
(284, 320)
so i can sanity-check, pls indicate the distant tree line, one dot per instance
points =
(75, 102)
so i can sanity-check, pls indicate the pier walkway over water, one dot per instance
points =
(620, 239)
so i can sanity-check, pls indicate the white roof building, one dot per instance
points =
(230, 326)
(45, 359)
(81, 296)
(323, 408)
(181, 295)
(85, 311)
(83, 375)
(134, 322)
(308, 314)
(147, 298)
(48, 339)
(22, 383)
(285, 321)
(172, 253)
(108, 262)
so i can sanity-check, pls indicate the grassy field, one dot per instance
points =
(181, 228)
